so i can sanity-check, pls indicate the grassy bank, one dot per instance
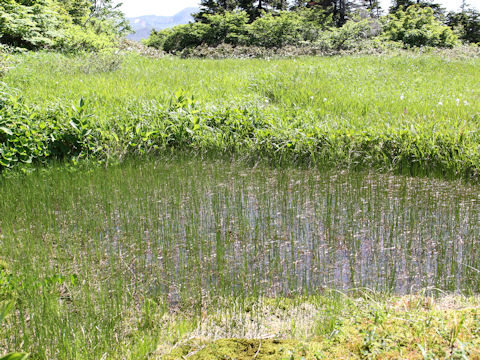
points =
(412, 113)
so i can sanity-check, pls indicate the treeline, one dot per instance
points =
(327, 24)
(93, 25)
(67, 25)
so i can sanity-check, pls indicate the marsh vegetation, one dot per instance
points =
(100, 259)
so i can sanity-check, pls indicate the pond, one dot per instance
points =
(181, 229)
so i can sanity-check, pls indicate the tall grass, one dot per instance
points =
(92, 257)
(413, 113)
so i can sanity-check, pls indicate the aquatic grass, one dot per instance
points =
(113, 258)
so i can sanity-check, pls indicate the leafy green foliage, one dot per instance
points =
(316, 25)
(60, 24)
(349, 36)
(27, 135)
(31, 26)
(437, 8)
(228, 28)
(278, 31)
(75, 39)
(286, 28)
(8, 285)
(336, 9)
(467, 23)
(417, 26)
(15, 356)
(254, 8)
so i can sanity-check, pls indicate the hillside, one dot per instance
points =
(143, 25)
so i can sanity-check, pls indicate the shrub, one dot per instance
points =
(229, 28)
(300, 28)
(417, 26)
(185, 36)
(74, 39)
(270, 31)
(347, 37)
(52, 24)
(157, 38)
(32, 27)
(277, 30)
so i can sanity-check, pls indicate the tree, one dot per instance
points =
(417, 26)
(211, 7)
(341, 10)
(438, 10)
(467, 23)
(29, 25)
(61, 24)
(106, 16)
(372, 6)
(79, 10)
(254, 8)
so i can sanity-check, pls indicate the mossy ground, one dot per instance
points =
(409, 327)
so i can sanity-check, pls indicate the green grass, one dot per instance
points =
(412, 113)
(134, 260)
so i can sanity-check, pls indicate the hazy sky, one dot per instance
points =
(170, 7)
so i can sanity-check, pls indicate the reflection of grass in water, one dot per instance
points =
(117, 258)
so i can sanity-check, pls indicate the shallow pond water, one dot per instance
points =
(181, 229)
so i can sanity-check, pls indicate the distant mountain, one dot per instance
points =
(143, 25)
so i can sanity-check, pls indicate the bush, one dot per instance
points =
(270, 31)
(157, 38)
(349, 36)
(280, 30)
(229, 28)
(185, 36)
(417, 26)
(52, 24)
(34, 26)
(300, 28)
(74, 39)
